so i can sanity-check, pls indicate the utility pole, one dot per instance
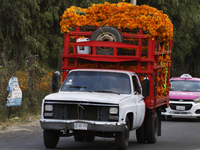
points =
(134, 2)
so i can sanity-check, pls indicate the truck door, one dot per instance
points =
(140, 105)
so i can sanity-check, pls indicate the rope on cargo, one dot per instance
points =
(106, 21)
(166, 72)
(166, 69)
(109, 19)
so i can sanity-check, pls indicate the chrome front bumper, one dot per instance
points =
(50, 124)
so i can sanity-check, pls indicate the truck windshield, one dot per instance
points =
(185, 85)
(92, 81)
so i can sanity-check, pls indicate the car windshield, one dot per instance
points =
(185, 85)
(93, 81)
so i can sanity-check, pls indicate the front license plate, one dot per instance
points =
(80, 126)
(180, 107)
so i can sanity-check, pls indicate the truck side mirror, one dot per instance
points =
(55, 77)
(145, 87)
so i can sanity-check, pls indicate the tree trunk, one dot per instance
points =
(30, 82)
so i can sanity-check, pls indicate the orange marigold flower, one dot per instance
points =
(121, 14)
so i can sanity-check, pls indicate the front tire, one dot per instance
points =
(78, 138)
(89, 138)
(163, 117)
(151, 128)
(169, 117)
(198, 118)
(140, 134)
(122, 138)
(51, 138)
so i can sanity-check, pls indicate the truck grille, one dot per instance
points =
(77, 110)
(187, 106)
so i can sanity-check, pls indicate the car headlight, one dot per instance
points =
(113, 110)
(48, 108)
(197, 100)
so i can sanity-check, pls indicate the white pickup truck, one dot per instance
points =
(96, 102)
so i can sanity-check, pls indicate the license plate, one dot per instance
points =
(80, 126)
(180, 107)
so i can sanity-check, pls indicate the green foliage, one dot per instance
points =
(31, 27)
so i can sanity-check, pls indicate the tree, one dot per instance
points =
(31, 27)
(185, 18)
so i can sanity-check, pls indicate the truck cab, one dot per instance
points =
(184, 97)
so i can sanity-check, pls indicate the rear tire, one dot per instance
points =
(51, 138)
(107, 33)
(122, 138)
(151, 128)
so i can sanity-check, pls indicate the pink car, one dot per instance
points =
(184, 97)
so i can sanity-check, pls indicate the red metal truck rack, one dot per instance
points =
(153, 61)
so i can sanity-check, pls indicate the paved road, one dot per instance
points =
(177, 134)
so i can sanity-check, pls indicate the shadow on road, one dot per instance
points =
(182, 119)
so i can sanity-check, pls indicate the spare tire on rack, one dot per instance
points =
(107, 33)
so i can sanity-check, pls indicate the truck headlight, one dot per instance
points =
(197, 100)
(114, 110)
(48, 108)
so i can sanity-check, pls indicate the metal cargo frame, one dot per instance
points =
(152, 59)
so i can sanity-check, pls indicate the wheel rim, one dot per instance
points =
(106, 36)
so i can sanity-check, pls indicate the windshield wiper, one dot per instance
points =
(186, 90)
(106, 91)
(78, 87)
